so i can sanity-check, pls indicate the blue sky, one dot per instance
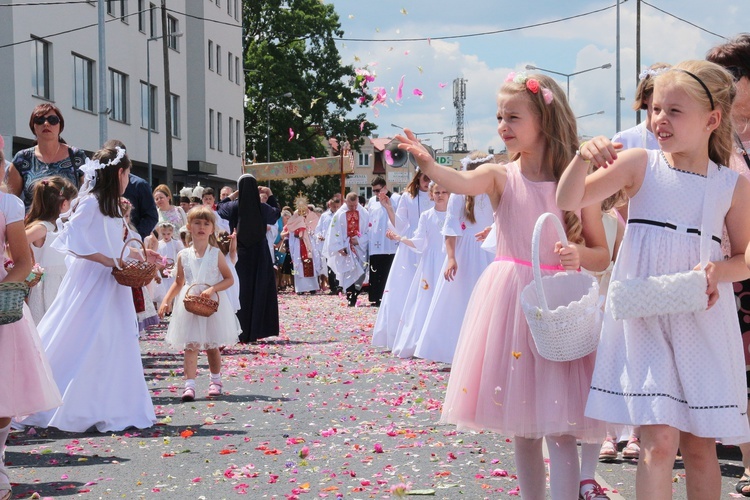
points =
(484, 61)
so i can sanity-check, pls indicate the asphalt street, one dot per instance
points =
(315, 413)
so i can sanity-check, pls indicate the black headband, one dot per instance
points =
(705, 87)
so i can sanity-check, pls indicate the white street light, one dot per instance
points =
(531, 67)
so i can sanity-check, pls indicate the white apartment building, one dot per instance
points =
(44, 58)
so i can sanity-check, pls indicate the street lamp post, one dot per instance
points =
(567, 76)
(148, 99)
(601, 112)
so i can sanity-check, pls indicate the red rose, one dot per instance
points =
(532, 85)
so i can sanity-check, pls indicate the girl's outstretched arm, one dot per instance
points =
(36, 234)
(577, 189)
(488, 178)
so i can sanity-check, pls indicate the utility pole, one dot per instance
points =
(167, 93)
(638, 49)
(618, 87)
(103, 114)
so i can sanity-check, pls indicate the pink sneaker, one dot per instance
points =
(214, 389)
(590, 490)
(188, 395)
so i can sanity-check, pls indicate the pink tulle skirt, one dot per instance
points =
(498, 380)
(26, 384)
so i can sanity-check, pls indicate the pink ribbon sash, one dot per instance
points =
(502, 258)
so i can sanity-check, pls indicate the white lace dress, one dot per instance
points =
(187, 329)
(53, 262)
(682, 370)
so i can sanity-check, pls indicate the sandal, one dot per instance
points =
(608, 451)
(188, 395)
(632, 450)
(591, 490)
(743, 483)
(214, 389)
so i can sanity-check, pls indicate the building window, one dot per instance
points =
(240, 136)
(218, 3)
(175, 115)
(124, 11)
(83, 83)
(111, 7)
(236, 10)
(148, 101)
(364, 160)
(173, 26)
(210, 55)
(231, 134)
(40, 73)
(118, 96)
(142, 16)
(237, 70)
(211, 143)
(229, 9)
(218, 59)
(230, 62)
(219, 138)
(152, 20)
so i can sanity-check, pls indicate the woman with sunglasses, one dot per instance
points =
(51, 156)
(734, 56)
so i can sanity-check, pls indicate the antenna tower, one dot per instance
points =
(459, 98)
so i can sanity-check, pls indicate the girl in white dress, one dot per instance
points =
(26, 384)
(90, 332)
(202, 264)
(168, 247)
(464, 263)
(51, 197)
(652, 371)
(415, 200)
(427, 242)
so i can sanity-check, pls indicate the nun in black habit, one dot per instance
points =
(259, 306)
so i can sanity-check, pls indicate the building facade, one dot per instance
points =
(50, 53)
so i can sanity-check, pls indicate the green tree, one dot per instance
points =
(290, 48)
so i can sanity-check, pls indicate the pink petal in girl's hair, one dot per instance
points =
(548, 96)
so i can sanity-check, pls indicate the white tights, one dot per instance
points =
(564, 472)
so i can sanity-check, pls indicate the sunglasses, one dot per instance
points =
(736, 72)
(52, 120)
(376, 190)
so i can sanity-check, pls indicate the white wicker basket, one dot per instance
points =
(562, 310)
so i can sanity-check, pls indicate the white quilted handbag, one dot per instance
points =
(562, 310)
(676, 293)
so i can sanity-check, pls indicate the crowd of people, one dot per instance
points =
(445, 263)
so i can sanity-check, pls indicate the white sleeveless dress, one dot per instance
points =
(682, 370)
(53, 262)
(198, 332)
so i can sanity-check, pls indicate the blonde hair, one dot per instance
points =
(204, 213)
(720, 89)
(557, 125)
(645, 88)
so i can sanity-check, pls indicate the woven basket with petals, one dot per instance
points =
(134, 273)
(200, 305)
(12, 294)
(562, 310)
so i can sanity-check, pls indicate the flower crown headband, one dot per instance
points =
(466, 162)
(531, 84)
(91, 166)
(648, 72)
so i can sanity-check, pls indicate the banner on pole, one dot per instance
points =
(280, 170)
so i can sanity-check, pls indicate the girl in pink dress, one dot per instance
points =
(27, 385)
(498, 381)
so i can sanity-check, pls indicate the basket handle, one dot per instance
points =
(122, 253)
(536, 265)
(194, 284)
